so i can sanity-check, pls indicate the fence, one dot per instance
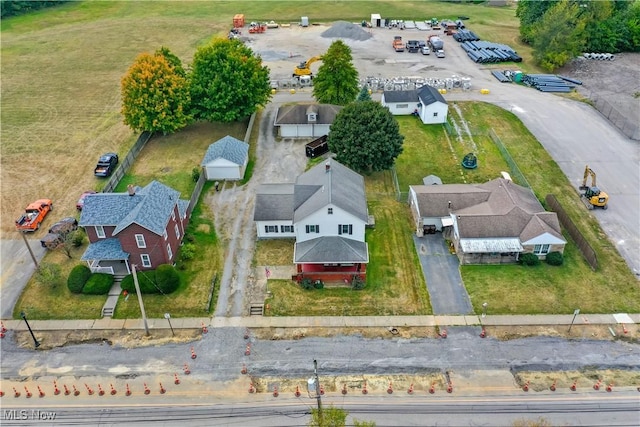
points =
(627, 126)
(127, 162)
(514, 170)
(195, 194)
(585, 248)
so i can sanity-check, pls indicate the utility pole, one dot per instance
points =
(144, 315)
(318, 395)
(33, 257)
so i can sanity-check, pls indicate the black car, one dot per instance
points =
(412, 46)
(106, 165)
(58, 232)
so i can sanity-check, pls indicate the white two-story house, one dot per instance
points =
(325, 211)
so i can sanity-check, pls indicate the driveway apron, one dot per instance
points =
(442, 274)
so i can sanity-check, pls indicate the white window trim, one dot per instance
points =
(100, 232)
(146, 260)
(165, 235)
(140, 243)
(173, 215)
(543, 250)
(169, 251)
(175, 227)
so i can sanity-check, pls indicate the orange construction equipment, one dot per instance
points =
(238, 20)
(257, 27)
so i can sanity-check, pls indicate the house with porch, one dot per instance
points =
(490, 223)
(325, 211)
(143, 226)
(426, 102)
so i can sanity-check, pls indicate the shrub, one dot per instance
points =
(554, 258)
(195, 174)
(49, 274)
(98, 284)
(357, 283)
(318, 284)
(146, 280)
(77, 238)
(306, 284)
(77, 278)
(167, 278)
(187, 251)
(529, 259)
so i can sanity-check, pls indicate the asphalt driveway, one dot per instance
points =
(442, 274)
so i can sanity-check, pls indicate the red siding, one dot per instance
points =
(91, 233)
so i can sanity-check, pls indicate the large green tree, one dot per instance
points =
(337, 79)
(365, 137)
(155, 93)
(228, 82)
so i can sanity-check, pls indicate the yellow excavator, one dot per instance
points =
(304, 69)
(592, 197)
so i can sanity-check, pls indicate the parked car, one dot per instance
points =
(412, 46)
(58, 232)
(425, 50)
(439, 53)
(106, 165)
(80, 202)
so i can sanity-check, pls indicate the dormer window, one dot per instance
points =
(312, 117)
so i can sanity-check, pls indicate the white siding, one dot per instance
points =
(305, 130)
(319, 130)
(544, 239)
(288, 131)
(223, 169)
(264, 234)
(329, 225)
(426, 113)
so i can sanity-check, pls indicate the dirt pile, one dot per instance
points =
(346, 30)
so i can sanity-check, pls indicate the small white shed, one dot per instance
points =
(226, 159)
(426, 102)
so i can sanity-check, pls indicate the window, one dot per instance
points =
(175, 227)
(146, 261)
(270, 228)
(286, 228)
(311, 117)
(165, 235)
(541, 249)
(402, 106)
(173, 214)
(100, 232)
(330, 211)
(435, 114)
(312, 229)
(140, 241)
(345, 229)
(169, 252)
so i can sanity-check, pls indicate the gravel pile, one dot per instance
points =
(346, 30)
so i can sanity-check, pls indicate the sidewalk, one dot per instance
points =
(325, 322)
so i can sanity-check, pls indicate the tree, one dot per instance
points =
(558, 36)
(228, 82)
(530, 12)
(49, 274)
(365, 137)
(337, 79)
(155, 93)
(364, 94)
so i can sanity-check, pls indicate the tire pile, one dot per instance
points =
(485, 52)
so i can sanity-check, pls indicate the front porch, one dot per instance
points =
(107, 256)
(331, 273)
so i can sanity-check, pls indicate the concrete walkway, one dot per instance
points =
(325, 322)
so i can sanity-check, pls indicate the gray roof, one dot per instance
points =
(429, 94)
(330, 183)
(433, 200)
(150, 207)
(228, 148)
(105, 250)
(331, 250)
(431, 180)
(297, 114)
(393, 96)
(274, 202)
(183, 205)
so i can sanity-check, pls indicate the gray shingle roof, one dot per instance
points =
(105, 250)
(297, 114)
(331, 250)
(150, 207)
(429, 94)
(433, 200)
(228, 148)
(274, 202)
(394, 96)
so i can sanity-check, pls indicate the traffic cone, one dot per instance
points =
(321, 390)
(56, 390)
(450, 388)
(27, 392)
(1, 393)
(40, 392)
(187, 371)
(247, 351)
(128, 391)
(243, 371)
(624, 328)
(432, 389)
(146, 389)
(2, 328)
(193, 353)
(275, 391)
(364, 388)
(175, 379)
(410, 391)
(89, 389)
(390, 388)
(16, 393)
(525, 387)
(66, 390)
(162, 390)
(596, 386)
(76, 392)
(297, 391)
(573, 386)
(483, 334)
(344, 389)
(113, 390)
(252, 389)
(100, 390)
(443, 334)
(610, 387)
(204, 328)
(553, 386)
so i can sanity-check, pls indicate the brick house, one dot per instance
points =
(143, 226)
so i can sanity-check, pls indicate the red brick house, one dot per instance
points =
(144, 226)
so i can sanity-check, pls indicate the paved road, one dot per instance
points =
(442, 273)
(16, 268)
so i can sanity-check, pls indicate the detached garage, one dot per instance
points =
(305, 120)
(226, 159)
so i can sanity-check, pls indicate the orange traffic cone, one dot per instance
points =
(89, 389)
(162, 390)
(146, 389)
(187, 371)
(297, 391)
(483, 334)
(100, 390)
(28, 393)
(321, 390)
(275, 391)
(573, 386)
(128, 391)
(553, 386)
(16, 393)
(40, 392)
(450, 387)
(410, 391)
(443, 334)
(204, 328)
(56, 390)
(247, 351)
(66, 390)
(596, 386)
(193, 353)
(252, 389)
(243, 371)
(246, 334)
(610, 387)
(175, 379)
(390, 388)
(364, 388)
(113, 390)
(432, 389)
(76, 392)
(525, 387)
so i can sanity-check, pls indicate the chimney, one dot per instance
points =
(131, 190)
(327, 167)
